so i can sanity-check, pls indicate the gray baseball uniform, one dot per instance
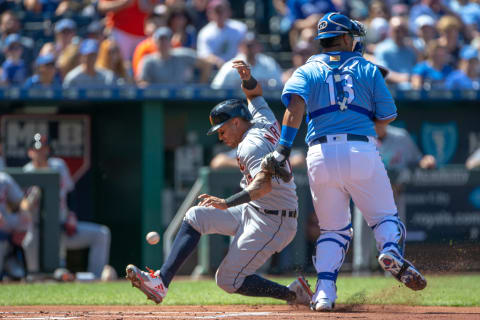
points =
(257, 232)
(11, 193)
(397, 148)
(90, 235)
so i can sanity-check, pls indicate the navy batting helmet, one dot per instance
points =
(334, 24)
(225, 111)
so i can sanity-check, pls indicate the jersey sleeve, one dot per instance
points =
(259, 109)
(67, 180)
(384, 105)
(250, 157)
(297, 84)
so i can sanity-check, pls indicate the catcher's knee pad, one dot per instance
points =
(390, 234)
(225, 279)
(331, 249)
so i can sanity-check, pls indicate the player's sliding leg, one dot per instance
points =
(390, 236)
(206, 220)
(297, 292)
(254, 243)
(331, 249)
(155, 284)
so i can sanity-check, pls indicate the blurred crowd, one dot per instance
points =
(427, 44)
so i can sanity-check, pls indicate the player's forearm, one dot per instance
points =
(291, 122)
(260, 186)
(251, 92)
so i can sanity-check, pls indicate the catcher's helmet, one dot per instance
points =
(334, 24)
(225, 111)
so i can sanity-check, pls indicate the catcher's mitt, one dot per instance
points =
(276, 169)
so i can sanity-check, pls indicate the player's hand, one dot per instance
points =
(278, 169)
(428, 162)
(207, 200)
(243, 69)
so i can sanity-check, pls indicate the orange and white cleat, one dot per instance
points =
(150, 283)
(302, 289)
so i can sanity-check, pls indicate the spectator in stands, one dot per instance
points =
(68, 60)
(76, 234)
(378, 9)
(9, 24)
(218, 41)
(449, 29)
(87, 74)
(432, 8)
(467, 76)
(45, 6)
(431, 73)
(398, 150)
(197, 9)
(126, 19)
(14, 70)
(302, 51)
(15, 220)
(378, 30)
(65, 33)
(179, 21)
(167, 65)
(426, 32)
(45, 73)
(468, 11)
(147, 46)
(396, 53)
(304, 14)
(95, 31)
(110, 58)
(264, 68)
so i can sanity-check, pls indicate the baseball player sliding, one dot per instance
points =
(261, 218)
(344, 96)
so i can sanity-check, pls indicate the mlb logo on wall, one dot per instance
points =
(68, 137)
(440, 140)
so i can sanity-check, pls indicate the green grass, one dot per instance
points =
(454, 290)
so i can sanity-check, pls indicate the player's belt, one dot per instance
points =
(283, 213)
(350, 137)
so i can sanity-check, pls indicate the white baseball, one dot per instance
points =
(153, 237)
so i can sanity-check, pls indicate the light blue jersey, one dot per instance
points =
(343, 93)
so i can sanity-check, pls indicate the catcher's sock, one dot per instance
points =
(185, 242)
(256, 286)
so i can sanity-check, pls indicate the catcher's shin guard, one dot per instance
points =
(390, 234)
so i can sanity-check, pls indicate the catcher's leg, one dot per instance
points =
(374, 198)
(332, 208)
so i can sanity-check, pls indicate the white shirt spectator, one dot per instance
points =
(223, 42)
(266, 70)
(79, 78)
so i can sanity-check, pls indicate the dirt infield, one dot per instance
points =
(239, 312)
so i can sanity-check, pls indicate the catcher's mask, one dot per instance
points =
(225, 111)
